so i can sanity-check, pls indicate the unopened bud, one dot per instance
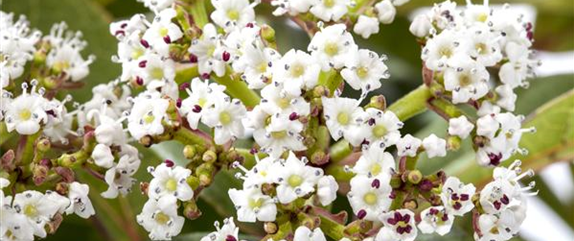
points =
(378, 102)
(320, 90)
(189, 151)
(209, 156)
(193, 182)
(146, 141)
(415, 176)
(268, 33)
(319, 158)
(144, 186)
(411, 204)
(54, 223)
(39, 174)
(396, 181)
(268, 189)
(453, 143)
(7, 160)
(67, 174)
(270, 227)
(62, 188)
(43, 145)
(191, 211)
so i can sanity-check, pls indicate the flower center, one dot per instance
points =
(376, 169)
(481, 48)
(331, 49)
(379, 131)
(279, 134)
(163, 31)
(283, 102)
(171, 185)
(297, 70)
(464, 80)
(148, 119)
(30, 210)
(445, 51)
(25, 114)
(233, 14)
(201, 102)
(362, 72)
(482, 17)
(329, 3)
(343, 118)
(137, 53)
(294, 180)
(262, 67)
(370, 198)
(161, 218)
(224, 117)
(156, 73)
(255, 203)
(61, 66)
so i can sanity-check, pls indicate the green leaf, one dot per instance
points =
(82, 15)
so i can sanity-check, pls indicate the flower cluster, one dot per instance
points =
(208, 84)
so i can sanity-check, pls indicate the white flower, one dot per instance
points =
(303, 233)
(17, 45)
(260, 173)
(341, 113)
(157, 5)
(439, 50)
(296, 70)
(59, 123)
(484, 46)
(327, 189)
(15, 225)
(293, 7)
(518, 67)
(329, 10)
(107, 95)
(460, 127)
(147, 113)
(398, 225)
(332, 46)
(497, 195)
(225, 117)
(37, 210)
(498, 227)
(231, 13)
(457, 197)
(160, 219)
(170, 181)
(467, 79)
(259, 65)
(434, 146)
(227, 231)
(153, 68)
(369, 197)
(208, 52)
(365, 70)
(506, 97)
(252, 205)
(378, 128)
(119, 178)
(202, 95)
(123, 28)
(79, 200)
(110, 131)
(64, 55)
(102, 155)
(504, 133)
(295, 179)
(436, 219)
(408, 146)
(279, 135)
(376, 163)
(366, 26)
(385, 11)
(26, 112)
(420, 26)
(163, 32)
(278, 99)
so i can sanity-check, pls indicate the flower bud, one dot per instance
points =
(39, 174)
(144, 187)
(209, 156)
(386, 11)
(191, 211)
(420, 26)
(319, 158)
(411, 204)
(268, 33)
(7, 161)
(189, 151)
(396, 181)
(54, 223)
(62, 188)
(67, 174)
(415, 176)
(43, 145)
(378, 102)
(193, 182)
(270, 227)
(453, 142)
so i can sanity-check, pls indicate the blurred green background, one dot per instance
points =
(116, 218)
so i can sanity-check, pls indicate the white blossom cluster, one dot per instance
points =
(234, 60)
(28, 214)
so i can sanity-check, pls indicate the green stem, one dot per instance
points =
(190, 137)
(186, 75)
(199, 13)
(28, 153)
(411, 104)
(444, 108)
(331, 228)
(340, 150)
(238, 89)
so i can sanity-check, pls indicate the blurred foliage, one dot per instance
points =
(115, 219)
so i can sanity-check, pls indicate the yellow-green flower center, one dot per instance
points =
(161, 218)
(294, 180)
(329, 3)
(163, 31)
(61, 66)
(262, 67)
(30, 210)
(225, 118)
(233, 14)
(255, 203)
(343, 118)
(376, 169)
(445, 51)
(331, 49)
(171, 185)
(379, 131)
(370, 198)
(297, 70)
(464, 80)
(25, 114)
(137, 53)
(156, 73)
(482, 17)
(283, 102)
(362, 72)
(481, 48)
(148, 119)
(278, 134)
